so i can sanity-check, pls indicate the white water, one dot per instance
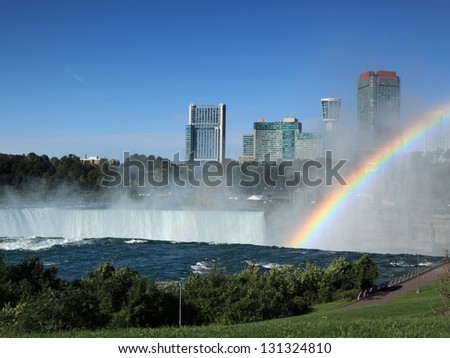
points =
(228, 227)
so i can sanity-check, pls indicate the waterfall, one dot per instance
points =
(246, 227)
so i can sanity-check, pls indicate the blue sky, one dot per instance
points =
(102, 77)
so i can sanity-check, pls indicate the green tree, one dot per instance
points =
(30, 278)
(336, 277)
(58, 310)
(127, 299)
(365, 272)
(206, 294)
(311, 279)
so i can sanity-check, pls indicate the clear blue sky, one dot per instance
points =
(101, 77)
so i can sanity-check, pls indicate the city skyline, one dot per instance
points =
(101, 78)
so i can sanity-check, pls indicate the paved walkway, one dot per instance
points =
(392, 293)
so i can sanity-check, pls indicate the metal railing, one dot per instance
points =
(398, 280)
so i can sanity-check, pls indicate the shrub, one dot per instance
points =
(337, 276)
(52, 310)
(444, 293)
(127, 299)
(364, 273)
(206, 294)
(33, 299)
(311, 279)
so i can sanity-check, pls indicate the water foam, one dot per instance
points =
(19, 225)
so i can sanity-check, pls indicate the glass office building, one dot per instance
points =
(309, 146)
(439, 141)
(276, 140)
(205, 133)
(378, 105)
(248, 144)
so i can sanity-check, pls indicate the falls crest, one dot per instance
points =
(228, 227)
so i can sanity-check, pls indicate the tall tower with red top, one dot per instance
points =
(378, 106)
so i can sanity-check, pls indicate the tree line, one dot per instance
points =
(34, 299)
(39, 177)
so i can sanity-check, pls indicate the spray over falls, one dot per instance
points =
(168, 225)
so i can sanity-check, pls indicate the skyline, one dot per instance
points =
(106, 77)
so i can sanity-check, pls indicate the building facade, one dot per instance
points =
(309, 146)
(439, 140)
(248, 148)
(378, 106)
(205, 133)
(248, 145)
(276, 140)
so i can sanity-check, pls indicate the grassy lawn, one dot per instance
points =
(410, 316)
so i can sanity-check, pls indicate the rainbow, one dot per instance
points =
(339, 196)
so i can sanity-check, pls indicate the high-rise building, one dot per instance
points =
(248, 148)
(378, 106)
(205, 132)
(439, 141)
(276, 140)
(309, 146)
(248, 143)
(331, 108)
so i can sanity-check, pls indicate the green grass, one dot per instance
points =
(410, 316)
